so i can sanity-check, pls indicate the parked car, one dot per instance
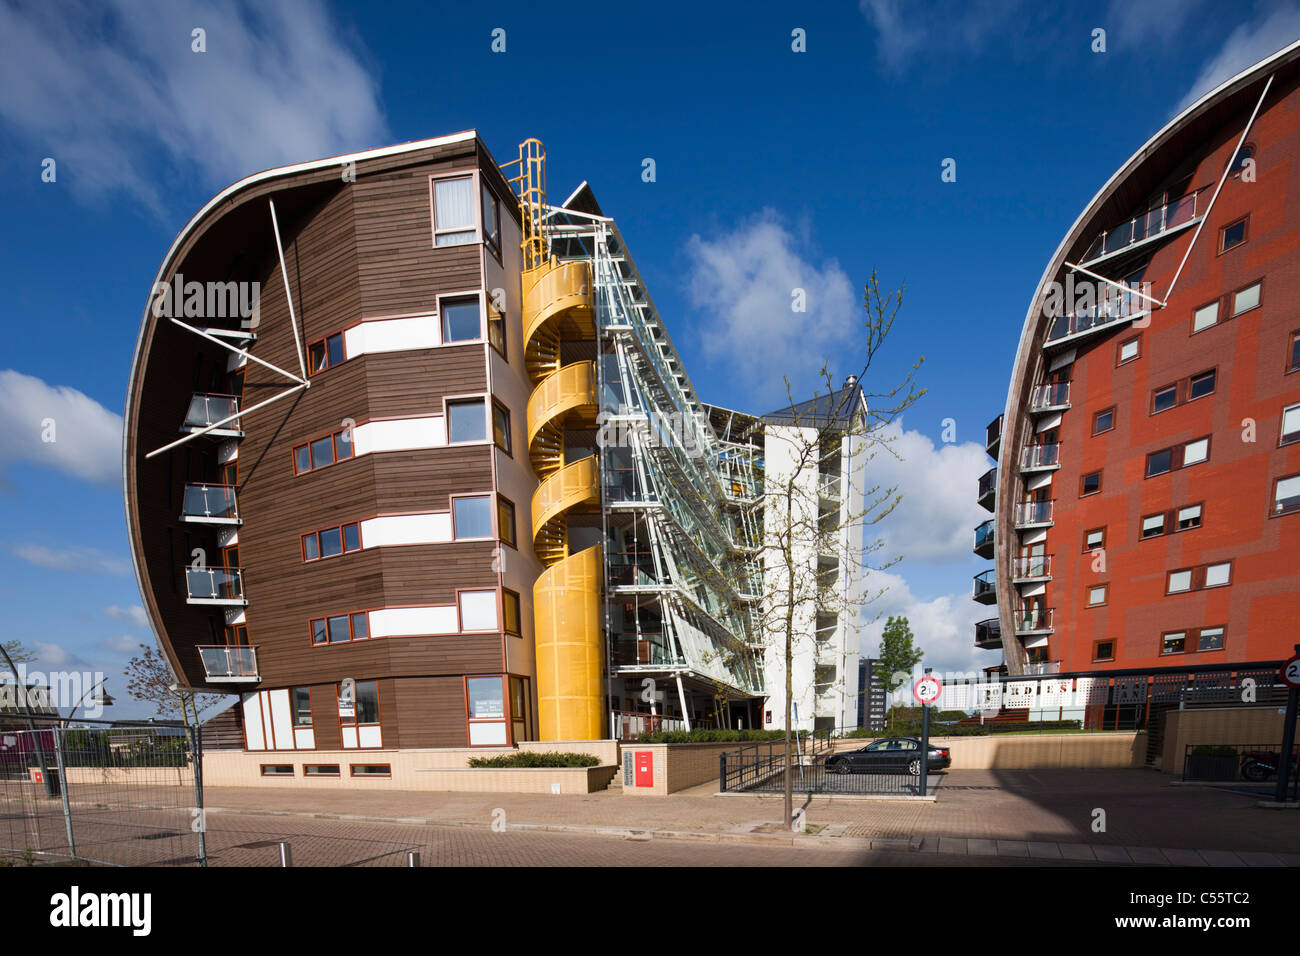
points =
(890, 755)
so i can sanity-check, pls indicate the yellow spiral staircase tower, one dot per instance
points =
(557, 306)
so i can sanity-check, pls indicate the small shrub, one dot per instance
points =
(529, 759)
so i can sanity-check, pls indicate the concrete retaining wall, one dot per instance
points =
(1218, 725)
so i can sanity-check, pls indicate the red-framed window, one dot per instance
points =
(325, 353)
(321, 452)
(339, 628)
(1185, 455)
(331, 542)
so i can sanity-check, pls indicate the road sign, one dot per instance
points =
(1291, 672)
(926, 690)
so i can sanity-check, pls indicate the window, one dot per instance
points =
(472, 517)
(506, 521)
(320, 770)
(277, 770)
(1189, 517)
(325, 353)
(371, 769)
(1210, 639)
(491, 221)
(1205, 316)
(1180, 456)
(1246, 299)
(340, 628)
(365, 705)
(1179, 581)
(1195, 452)
(301, 707)
(1294, 364)
(331, 542)
(1286, 495)
(497, 330)
(1103, 421)
(1097, 595)
(1290, 424)
(478, 610)
(1090, 484)
(1200, 385)
(1239, 161)
(1129, 350)
(322, 451)
(1233, 234)
(1174, 642)
(501, 427)
(465, 421)
(510, 612)
(453, 211)
(1217, 575)
(485, 710)
(1163, 398)
(1103, 651)
(1094, 539)
(461, 319)
(1152, 526)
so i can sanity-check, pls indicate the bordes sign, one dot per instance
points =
(75, 909)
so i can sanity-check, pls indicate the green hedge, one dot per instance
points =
(714, 736)
(528, 759)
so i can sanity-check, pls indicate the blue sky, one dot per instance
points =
(773, 169)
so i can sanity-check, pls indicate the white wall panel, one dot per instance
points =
(406, 529)
(253, 739)
(392, 335)
(370, 736)
(281, 721)
(400, 434)
(478, 610)
(304, 739)
(400, 621)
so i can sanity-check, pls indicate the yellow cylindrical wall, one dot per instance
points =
(570, 648)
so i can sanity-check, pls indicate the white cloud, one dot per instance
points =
(122, 644)
(1246, 46)
(942, 627)
(905, 30)
(87, 437)
(744, 283)
(135, 614)
(935, 522)
(78, 559)
(54, 656)
(107, 90)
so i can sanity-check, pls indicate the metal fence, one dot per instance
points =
(101, 795)
(760, 768)
(1257, 764)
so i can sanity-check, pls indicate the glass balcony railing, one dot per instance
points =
(993, 436)
(1147, 225)
(1043, 667)
(988, 633)
(984, 539)
(214, 585)
(228, 664)
(986, 590)
(215, 503)
(1040, 456)
(1028, 567)
(208, 408)
(1034, 512)
(1050, 396)
(1035, 620)
(988, 488)
(828, 486)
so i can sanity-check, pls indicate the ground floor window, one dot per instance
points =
(485, 709)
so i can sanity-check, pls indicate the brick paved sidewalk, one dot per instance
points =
(1036, 814)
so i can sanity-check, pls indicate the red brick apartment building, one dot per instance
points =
(1146, 496)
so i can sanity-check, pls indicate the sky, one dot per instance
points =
(775, 168)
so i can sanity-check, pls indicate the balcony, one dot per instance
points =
(828, 487)
(984, 539)
(993, 437)
(1156, 221)
(210, 504)
(1034, 567)
(986, 590)
(988, 489)
(224, 664)
(214, 586)
(208, 408)
(1049, 397)
(1041, 457)
(988, 634)
(1035, 621)
(1035, 514)
(1042, 667)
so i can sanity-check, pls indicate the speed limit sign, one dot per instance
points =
(1291, 673)
(926, 690)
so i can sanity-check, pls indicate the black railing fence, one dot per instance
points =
(1239, 763)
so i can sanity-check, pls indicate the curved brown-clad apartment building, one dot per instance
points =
(368, 474)
(1146, 497)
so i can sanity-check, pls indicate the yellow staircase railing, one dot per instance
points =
(570, 673)
(566, 399)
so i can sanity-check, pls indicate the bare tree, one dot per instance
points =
(15, 653)
(150, 678)
(797, 532)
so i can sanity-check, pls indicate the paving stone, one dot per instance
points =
(978, 847)
(1259, 859)
(1147, 856)
(1221, 858)
(1076, 851)
(1044, 851)
(1106, 853)
(1012, 848)
(1183, 857)
(955, 846)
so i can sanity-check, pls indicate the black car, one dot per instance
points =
(890, 755)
